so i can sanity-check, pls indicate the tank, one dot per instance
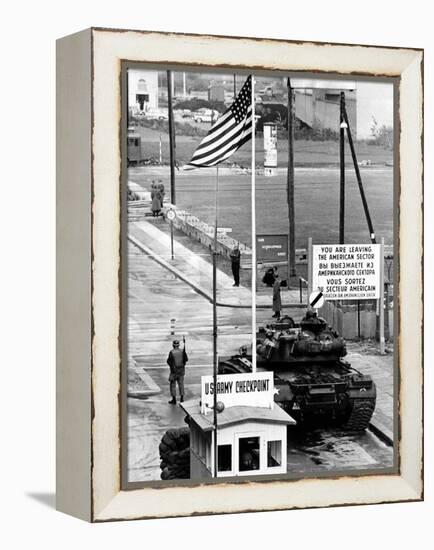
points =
(313, 380)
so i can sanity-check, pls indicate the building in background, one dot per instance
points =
(216, 92)
(318, 108)
(142, 90)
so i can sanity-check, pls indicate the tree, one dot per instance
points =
(381, 135)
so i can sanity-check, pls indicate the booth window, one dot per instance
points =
(224, 458)
(274, 453)
(248, 453)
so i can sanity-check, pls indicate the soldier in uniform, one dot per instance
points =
(161, 191)
(176, 360)
(235, 256)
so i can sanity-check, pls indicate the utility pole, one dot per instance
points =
(171, 138)
(290, 180)
(342, 166)
(359, 178)
(235, 86)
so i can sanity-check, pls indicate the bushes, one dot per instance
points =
(181, 128)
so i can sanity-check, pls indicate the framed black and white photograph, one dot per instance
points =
(239, 321)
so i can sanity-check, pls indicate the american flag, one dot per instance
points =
(228, 134)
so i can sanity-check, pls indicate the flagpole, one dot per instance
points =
(253, 208)
(214, 319)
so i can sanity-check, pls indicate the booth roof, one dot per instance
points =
(235, 415)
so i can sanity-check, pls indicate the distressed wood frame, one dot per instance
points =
(88, 273)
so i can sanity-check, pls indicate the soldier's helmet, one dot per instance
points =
(175, 343)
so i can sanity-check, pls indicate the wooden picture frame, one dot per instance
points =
(88, 273)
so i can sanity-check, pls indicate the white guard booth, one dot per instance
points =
(251, 429)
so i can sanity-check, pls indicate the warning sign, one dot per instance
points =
(272, 248)
(316, 299)
(270, 148)
(347, 271)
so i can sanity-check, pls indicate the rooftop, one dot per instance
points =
(236, 415)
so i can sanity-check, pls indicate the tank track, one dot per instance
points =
(360, 415)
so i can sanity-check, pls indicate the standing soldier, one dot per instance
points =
(235, 256)
(176, 360)
(277, 301)
(161, 191)
(156, 203)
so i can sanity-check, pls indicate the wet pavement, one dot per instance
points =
(163, 307)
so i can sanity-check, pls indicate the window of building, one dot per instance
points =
(274, 453)
(141, 99)
(224, 458)
(248, 454)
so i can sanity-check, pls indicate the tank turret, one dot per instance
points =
(310, 374)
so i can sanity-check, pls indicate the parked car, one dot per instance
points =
(156, 114)
(183, 113)
(205, 115)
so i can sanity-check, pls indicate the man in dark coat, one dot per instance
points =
(176, 360)
(156, 203)
(235, 256)
(277, 301)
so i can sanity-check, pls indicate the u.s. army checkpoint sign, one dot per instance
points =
(347, 271)
(247, 389)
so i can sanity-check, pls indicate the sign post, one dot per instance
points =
(171, 215)
(309, 267)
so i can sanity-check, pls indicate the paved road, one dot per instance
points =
(155, 297)
(316, 201)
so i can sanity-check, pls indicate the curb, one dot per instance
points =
(380, 432)
(200, 290)
(142, 394)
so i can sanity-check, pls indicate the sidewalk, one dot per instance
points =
(380, 367)
(153, 237)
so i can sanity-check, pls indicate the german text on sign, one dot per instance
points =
(347, 271)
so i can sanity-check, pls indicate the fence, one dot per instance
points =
(356, 320)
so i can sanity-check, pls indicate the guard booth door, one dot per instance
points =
(248, 459)
(258, 453)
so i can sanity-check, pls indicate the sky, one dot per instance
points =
(373, 99)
